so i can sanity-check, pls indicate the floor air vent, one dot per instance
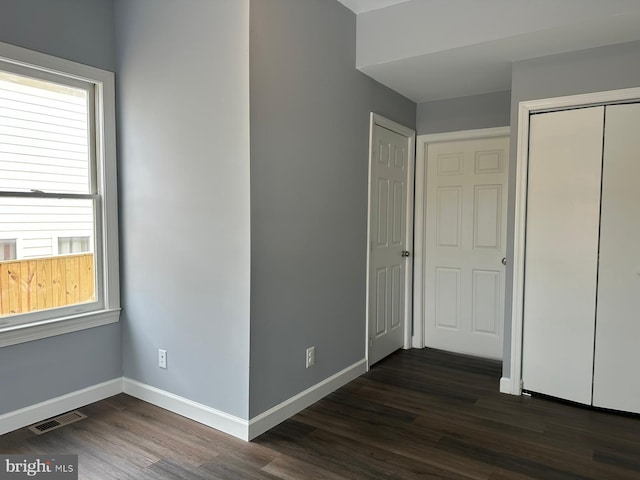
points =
(56, 422)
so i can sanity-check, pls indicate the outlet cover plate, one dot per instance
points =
(311, 357)
(162, 358)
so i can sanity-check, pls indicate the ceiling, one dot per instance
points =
(359, 6)
(437, 49)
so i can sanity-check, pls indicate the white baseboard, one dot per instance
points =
(238, 427)
(505, 385)
(243, 429)
(50, 408)
(278, 414)
(187, 408)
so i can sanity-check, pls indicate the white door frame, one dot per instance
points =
(410, 135)
(513, 384)
(419, 330)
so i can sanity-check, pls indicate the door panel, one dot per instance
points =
(381, 301)
(561, 256)
(449, 217)
(447, 298)
(616, 383)
(388, 221)
(486, 302)
(383, 213)
(465, 229)
(487, 217)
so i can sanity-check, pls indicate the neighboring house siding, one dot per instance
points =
(36, 225)
(44, 145)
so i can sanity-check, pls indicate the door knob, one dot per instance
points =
(504, 260)
(405, 253)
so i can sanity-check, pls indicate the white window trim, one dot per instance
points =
(107, 185)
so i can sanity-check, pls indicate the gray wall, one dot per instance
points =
(464, 113)
(183, 94)
(586, 71)
(309, 163)
(79, 30)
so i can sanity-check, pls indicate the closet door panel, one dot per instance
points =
(561, 256)
(616, 382)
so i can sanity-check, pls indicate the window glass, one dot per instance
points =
(44, 136)
(7, 250)
(46, 194)
(67, 245)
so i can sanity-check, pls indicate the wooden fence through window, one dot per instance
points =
(42, 283)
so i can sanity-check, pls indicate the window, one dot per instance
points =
(69, 245)
(57, 196)
(7, 250)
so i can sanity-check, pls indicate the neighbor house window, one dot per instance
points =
(7, 250)
(57, 183)
(67, 245)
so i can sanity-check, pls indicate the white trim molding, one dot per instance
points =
(376, 119)
(465, 135)
(50, 408)
(57, 326)
(527, 108)
(211, 417)
(235, 426)
(281, 412)
(505, 385)
(198, 412)
(418, 340)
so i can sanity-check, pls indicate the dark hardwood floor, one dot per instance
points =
(418, 414)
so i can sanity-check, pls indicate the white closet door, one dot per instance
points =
(616, 381)
(563, 209)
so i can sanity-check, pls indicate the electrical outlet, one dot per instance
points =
(311, 357)
(162, 358)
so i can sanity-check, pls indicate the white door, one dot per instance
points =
(388, 227)
(561, 252)
(465, 237)
(616, 383)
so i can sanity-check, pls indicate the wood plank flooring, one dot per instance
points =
(417, 414)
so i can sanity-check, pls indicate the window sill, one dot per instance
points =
(57, 326)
